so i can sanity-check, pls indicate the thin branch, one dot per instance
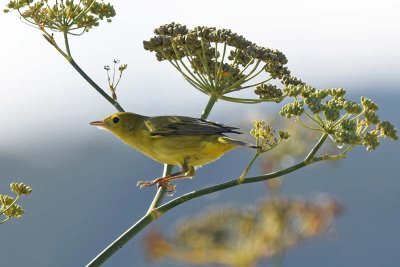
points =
(310, 156)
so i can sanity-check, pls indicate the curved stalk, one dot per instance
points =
(71, 61)
(9, 206)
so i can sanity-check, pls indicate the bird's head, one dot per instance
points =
(118, 123)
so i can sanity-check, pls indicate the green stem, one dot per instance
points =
(120, 241)
(3, 221)
(210, 104)
(71, 61)
(95, 86)
(161, 190)
(246, 171)
(241, 100)
(312, 153)
(67, 43)
(9, 206)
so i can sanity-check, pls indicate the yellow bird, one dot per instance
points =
(176, 140)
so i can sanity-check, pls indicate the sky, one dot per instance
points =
(350, 44)
(45, 106)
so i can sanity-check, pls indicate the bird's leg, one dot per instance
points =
(185, 172)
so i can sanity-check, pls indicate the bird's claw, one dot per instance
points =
(160, 183)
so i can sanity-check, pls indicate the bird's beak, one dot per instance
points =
(98, 123)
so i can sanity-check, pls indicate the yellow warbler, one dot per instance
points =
(176, 140)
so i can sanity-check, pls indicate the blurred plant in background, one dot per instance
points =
(9, 207)
(241, 237)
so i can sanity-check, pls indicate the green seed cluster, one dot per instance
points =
(21, 188)
(63, 16)
(346, 121)
(269, 92)
(291, 80)
(14, 210)
(347, 133)
(8, 206)
(296, 108)
(387, 129)
(222, 61)
(266, 137)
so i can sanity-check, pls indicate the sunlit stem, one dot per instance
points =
(247, 169)
(345, 116)
(221, 65)
(178, 68)
(71, 61)
(9, 206)
(226, 80)
(3, 221)
(310, 156)
(241, 100)
(306, 126)
(251, 85)
(67, 43)
(205, 63)
(193, 63)
(243, 79)
(183, 63)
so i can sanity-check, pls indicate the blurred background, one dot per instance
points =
(84, 180)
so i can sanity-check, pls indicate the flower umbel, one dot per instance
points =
(8, 205)
(346, 122)
(73, 17)
(266, 137)
(218, 61)
(112, 82)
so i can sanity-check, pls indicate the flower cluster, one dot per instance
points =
(218, 61)
(232, 236)
(8, 206)
(266, 137)
(112, 82)
(347, 122)
(269, 92)
(69, 16)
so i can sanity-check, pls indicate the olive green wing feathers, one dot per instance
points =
(179, 125)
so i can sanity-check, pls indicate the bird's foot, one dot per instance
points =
(160, 182)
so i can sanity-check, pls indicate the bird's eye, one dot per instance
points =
(115, 120)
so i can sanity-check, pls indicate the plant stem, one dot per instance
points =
(161, 190)
(71, 61)
(149, 217)
(95, 86)
(210, 104)
(9, 206)
(67, 43)
(246, 171)
(312, 153)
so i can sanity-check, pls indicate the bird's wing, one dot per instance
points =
(178, 125)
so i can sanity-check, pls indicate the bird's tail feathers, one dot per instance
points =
(241, 143)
